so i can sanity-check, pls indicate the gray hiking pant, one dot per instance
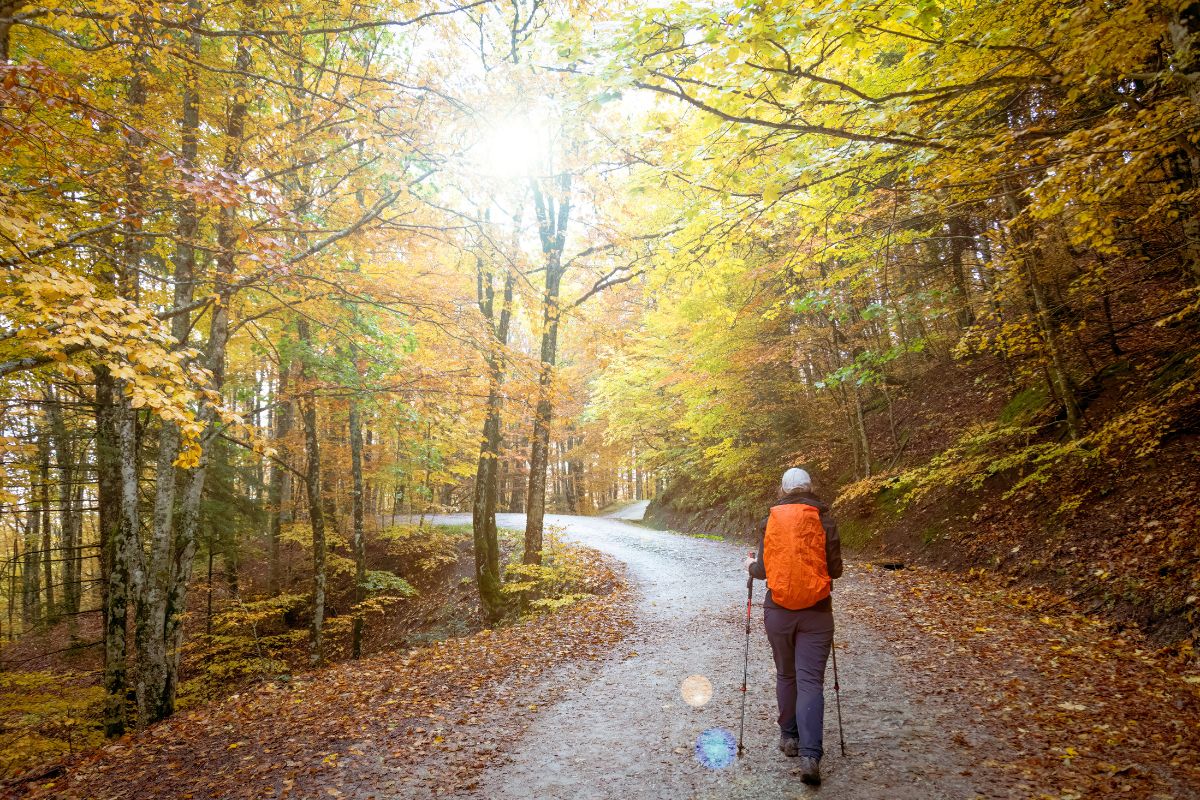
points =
(800, 642)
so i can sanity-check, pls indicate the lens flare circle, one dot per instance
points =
(697, 690)
(716, 748)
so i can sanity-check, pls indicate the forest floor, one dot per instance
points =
(950, 688)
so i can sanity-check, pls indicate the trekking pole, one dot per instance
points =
(837, 695)
(746, 662)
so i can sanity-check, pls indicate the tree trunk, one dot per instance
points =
(486, 495)
(127, 570)
(570, 479)
(1059, 374)
(31, 582)
(959, 239)
(110, 450)
(69, 530)
(116, 437)
(44, 504)
(280, 477)
(359, 540)
(154, 609)
(518, 477)
(316, 506)
(183, 547)
(578, 481)
(552, 228)
(12, 587)
(188, 530)
(861, 427)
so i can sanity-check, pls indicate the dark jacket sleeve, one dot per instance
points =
(758, 569)
(833, 546)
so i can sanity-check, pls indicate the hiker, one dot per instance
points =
(798, 555)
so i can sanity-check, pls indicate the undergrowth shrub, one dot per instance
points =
(1033, 456)
(567, 575)
(248, 642)
(425, 550)
(45, 716)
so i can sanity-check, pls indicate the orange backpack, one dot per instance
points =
(794, 555)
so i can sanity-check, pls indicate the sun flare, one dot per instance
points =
(511, 148)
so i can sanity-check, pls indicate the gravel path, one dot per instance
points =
(623, 729)
(634, 512)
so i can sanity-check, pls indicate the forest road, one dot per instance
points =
(623, 729)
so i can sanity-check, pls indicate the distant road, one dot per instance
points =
(634, 512)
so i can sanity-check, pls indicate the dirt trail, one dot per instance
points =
(623, 730)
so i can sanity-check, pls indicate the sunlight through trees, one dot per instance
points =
(284, 282)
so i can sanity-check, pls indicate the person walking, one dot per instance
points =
(799, 555)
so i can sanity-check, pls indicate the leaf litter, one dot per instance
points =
(1079, 706)
(425, 722)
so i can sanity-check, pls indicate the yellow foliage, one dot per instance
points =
(45, 716)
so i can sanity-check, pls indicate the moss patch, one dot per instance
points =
(1023, 406)
(856, 534)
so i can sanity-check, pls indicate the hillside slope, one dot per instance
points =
(971, 478)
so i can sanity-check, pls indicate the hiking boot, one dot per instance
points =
(810, 770)
(789, 747)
